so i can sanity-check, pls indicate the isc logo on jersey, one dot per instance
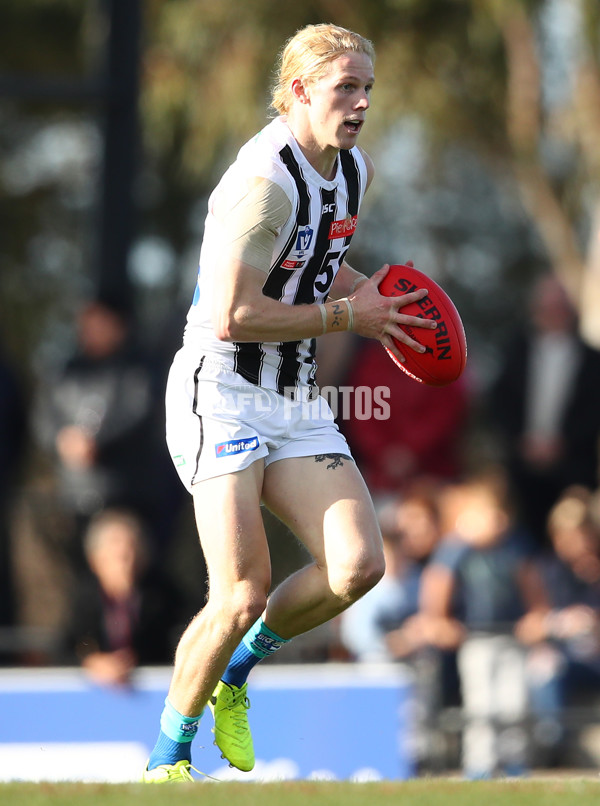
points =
(235, 446)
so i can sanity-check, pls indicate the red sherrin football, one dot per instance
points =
(446, 346)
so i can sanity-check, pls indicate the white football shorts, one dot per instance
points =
(218, 423)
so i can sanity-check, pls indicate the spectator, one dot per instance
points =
(564, 664)
(475, 590)
(120, 615)
(410, 530)
(99, 418)
(545, 405)
(12, 435)
(423, 437)
(385, 626)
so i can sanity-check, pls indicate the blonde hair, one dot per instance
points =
(308, 54)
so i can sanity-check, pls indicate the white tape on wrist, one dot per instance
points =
(350, 312)
(323, 310)
(354, 285)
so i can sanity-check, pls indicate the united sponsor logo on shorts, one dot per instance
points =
(235, 446)
(342, 228)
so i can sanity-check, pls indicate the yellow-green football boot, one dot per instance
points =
(229, 705)
(169, 774)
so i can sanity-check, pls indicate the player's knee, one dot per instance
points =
(357, 578)
(368, 576)
(245, 605)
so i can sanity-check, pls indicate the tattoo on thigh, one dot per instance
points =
(336, 459)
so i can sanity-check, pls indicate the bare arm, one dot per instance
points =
(241, 312)
(346, 281)
(439, 626)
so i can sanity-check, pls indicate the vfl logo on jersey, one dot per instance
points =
(343, 228)
(235, 446)
(304, 239)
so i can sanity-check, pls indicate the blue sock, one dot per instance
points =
(175, 737)
(258, 643)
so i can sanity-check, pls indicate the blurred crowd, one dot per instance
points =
(491, 597)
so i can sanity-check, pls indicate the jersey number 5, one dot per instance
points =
(329, 270)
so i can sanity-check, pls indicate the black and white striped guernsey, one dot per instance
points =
(308, 252)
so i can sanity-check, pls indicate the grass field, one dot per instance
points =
(424, 792)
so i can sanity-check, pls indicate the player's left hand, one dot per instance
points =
(379, 317)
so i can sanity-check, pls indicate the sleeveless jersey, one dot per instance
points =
(308, 251)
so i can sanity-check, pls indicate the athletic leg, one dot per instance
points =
(239, 573)
(325, 502)
(236, 553)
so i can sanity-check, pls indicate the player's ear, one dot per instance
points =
(299, 91)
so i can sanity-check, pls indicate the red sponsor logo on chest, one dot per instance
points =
(342, 228)
(293, 264)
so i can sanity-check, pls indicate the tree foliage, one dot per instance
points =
(207, 69)
(473, 70)
(475, 73)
